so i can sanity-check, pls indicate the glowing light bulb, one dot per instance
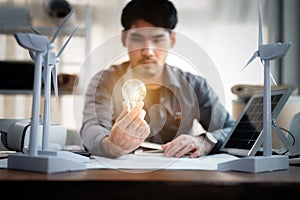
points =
(133, 91)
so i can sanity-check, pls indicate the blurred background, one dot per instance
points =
(227, 30)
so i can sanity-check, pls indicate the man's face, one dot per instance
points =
(147, 47)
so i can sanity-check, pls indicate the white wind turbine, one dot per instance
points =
(267, 162)
(44, 160)
(49, 63)
(266, 53)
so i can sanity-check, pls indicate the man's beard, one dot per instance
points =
(146, 71)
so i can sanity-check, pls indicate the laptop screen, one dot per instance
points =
(246, 137)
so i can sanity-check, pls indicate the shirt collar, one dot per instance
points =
(171, 76)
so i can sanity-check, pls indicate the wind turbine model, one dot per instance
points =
(44, 160)
(267, 162)
(49, 64)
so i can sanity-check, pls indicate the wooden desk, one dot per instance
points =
(162, 184)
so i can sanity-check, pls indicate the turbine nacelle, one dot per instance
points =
(273, 51)
(32, 42)
(270, 52)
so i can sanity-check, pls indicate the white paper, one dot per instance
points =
(153, 162)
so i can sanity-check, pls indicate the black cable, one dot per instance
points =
(290, 133)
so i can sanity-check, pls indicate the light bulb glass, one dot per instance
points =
(133, 91)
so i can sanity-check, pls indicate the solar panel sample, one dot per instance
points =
(245, 137)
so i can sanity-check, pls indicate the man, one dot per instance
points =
(174, 99)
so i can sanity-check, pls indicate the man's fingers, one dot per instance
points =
(126, 120)
(181, 146)
(142, 114)
(124, 111)
(174, 147)
(196, 153)
(139, 129)
(190, 147)
(143, 130)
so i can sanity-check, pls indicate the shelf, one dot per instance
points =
(49, 31)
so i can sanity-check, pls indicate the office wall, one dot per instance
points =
(291, 33)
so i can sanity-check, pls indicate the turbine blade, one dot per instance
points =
(35, 30)
(61, 26)
(260, 31)
(62, 49)
(273, 79)
(55, 85)
(44, 75)
(251, 59)
(32, 54)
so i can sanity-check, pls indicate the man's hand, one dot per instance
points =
(129, 131)
(186, 144)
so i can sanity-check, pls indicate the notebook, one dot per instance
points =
(149, 148)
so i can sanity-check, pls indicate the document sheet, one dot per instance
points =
(156, 162)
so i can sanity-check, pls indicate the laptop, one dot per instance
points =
(246, 137)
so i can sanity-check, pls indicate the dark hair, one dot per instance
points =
(160, 13)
